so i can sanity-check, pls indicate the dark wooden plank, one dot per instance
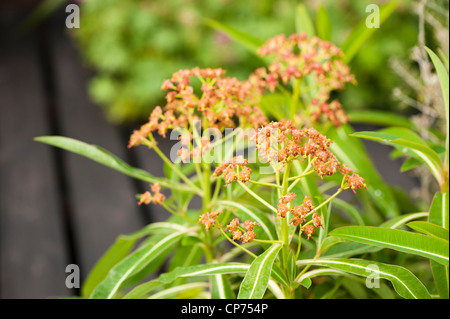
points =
(32, 245)
(103, 201)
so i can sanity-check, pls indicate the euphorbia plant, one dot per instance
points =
(253, 205)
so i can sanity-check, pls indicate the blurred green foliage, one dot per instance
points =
(134, 44)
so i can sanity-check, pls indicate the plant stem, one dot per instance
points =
(262, 201)
(295, 97)
(267, 241)
(284, 224)
(264, 184)
(236, 244)
(325, 202)
(152, 144)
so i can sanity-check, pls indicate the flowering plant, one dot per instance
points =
(264, 187)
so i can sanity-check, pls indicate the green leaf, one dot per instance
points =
(410, 143)
(143, 289)
(324, 231)
(130, 265)
(257, 278)
(105, 158)
(413, 243)
(405, 283)
(444, 82)
(305, 282)
(303, 22)
(410, 163)
(439, 210)
(220, 288)
(361, 33)
(379, 118)
(439, 216)
(323, 24)
(351, 152)
(118, 251)
(403, 219)
(185, 291)
(204, 270)
(249, 41)
(430, 229)
(441, 278)
(187, 272)
(350, 209)
(334, 247)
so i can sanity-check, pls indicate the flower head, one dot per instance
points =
(208, 219)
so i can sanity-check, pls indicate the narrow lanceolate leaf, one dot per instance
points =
(444, 81)
(137, 260)
(249, 41)
(352, 152)
(323, 24)
(221, 288)
(439, 210)
(119, 250)
(430, 229)
(382, 118)
(204, 270)
(257, 278)
(187, 272)
(439, 216)
(408, 242)
(403, 219)
(362, 33)
(408, 142)
(303, 22)
(334, 247)
(183, 291)
(405, 283)
(103, 157)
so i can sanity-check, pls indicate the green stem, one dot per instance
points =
(262, 201)
(325, 202)
(264, 184)
(298, 178)
(299, 247)
(284, 223)
(236, 244)
(152, 144)
(268, 241)
(295, 97)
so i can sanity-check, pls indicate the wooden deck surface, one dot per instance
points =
(57, 208)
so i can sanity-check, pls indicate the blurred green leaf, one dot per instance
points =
(361, 33)
(323, 24)
(383, 118)
(410, 143)
(303, 22)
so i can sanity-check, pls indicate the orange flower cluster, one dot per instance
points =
(223, 100)
(280, 142)
(296, 57)
(209, 219)
(245, 237)
(234, 170)
(301, 211)
(156, 198)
